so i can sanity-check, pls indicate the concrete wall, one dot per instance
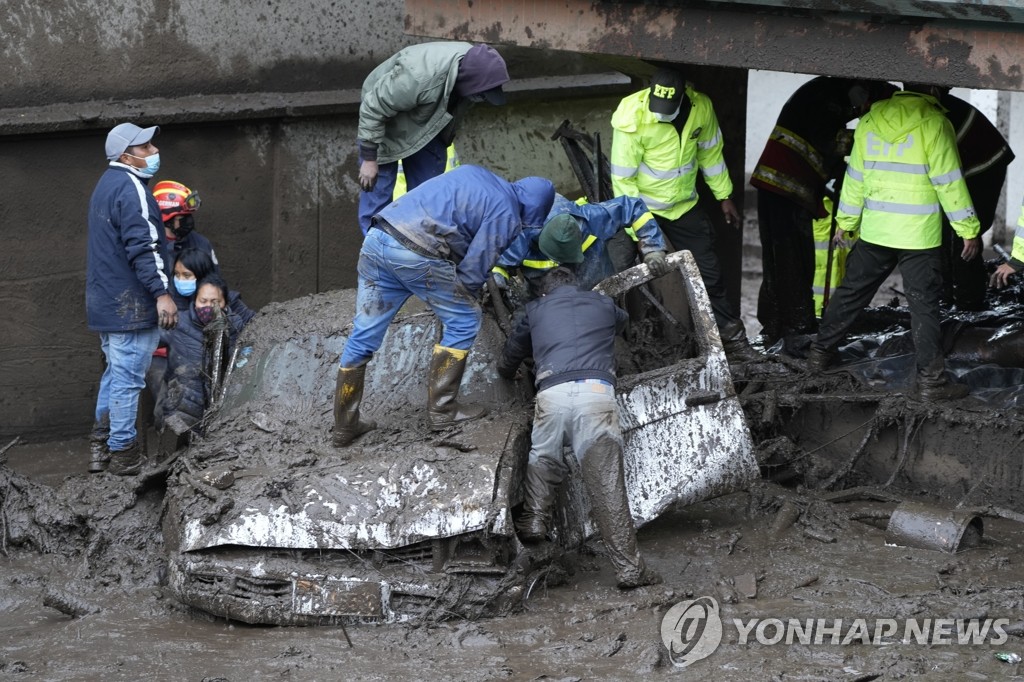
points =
(257, 105)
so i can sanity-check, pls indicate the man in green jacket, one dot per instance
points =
(662, 136)
(904, 173)
(411, 106)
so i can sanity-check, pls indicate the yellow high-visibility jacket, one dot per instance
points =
(400, 184)
(654, 162)
(904, 171)
(822, 227)
(1018, 242)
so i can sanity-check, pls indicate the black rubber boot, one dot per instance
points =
(931, 389)
(127, 462)
(736, 344)
(818, 359)
(446, 368)
(348, 393)
(541, 486)
(606, 486)
(99, 453)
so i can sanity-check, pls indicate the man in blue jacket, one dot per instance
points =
(127, 290)
(571, 335)
(411, 108)
(597, 223)
(438, 242)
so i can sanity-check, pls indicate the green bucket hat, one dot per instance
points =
(561, 239)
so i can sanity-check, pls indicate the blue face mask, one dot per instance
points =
(185, 287)
(152, 165)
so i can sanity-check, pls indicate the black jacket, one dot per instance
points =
(186, 394)
(571, 334)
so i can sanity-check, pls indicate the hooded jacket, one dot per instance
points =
(598, 222)
(904, 171)
(658, 163)
(126, 268)
(468, 216)
(406, 100)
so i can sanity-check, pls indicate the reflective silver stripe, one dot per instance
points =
(945, 178)
(712, 142)
(911, 168)
(821, 246)
(904, 209)
(158, 260)
(717, 169)
(654, 203)
(1019, 234)
(623, 171)
(962, 214)
(855, 174)
(818, 290)
(666, 174)
(851, 210)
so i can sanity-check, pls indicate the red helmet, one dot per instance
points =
(175, 199)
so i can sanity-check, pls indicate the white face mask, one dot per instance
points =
(668, 118)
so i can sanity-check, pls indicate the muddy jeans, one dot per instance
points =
(389, 274)
(584, 415)
(128, 356)
(866, 268)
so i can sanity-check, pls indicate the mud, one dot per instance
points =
(585, 629)
(83, 559)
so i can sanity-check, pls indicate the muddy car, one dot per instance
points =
(266, 522)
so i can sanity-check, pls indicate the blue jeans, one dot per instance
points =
(128, 356)
(389, 274)
(419, 167)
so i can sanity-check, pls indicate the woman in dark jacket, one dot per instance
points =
(193, 265)
(191, 354)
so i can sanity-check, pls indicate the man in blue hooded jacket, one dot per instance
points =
(598, 223)
(438, 242)
(127, 291)
(411, 107)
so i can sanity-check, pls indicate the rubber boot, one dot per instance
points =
(127, 462)
(446, 368)
(818, 359)
(99, 453)
(934, 389)
(348, 393)
(606, 486)
(541, 486)
(736, 344)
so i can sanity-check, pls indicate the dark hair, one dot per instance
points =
(197, 261)
(213, 280)
(561, 276)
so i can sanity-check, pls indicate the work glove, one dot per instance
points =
(505, 371)
(500, 280)
(656, 263)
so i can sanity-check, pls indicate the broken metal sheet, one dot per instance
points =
(686, 438)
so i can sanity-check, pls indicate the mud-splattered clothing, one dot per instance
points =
(469, 216)
(598, 222)
(438, 243)
(571, 335)
(186, 388)
(126, 267)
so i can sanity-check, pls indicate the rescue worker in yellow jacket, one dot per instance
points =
(904, 173)
(1001, 277)
(662, 136)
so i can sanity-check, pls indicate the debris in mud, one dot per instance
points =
(67, 604)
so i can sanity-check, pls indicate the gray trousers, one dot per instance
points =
(584, 415)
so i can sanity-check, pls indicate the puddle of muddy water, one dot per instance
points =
(586, 629)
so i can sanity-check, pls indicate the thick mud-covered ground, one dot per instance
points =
(101, 558)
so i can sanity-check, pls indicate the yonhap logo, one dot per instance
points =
(691, 630)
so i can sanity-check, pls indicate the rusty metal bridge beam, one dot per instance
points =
(959, 53)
